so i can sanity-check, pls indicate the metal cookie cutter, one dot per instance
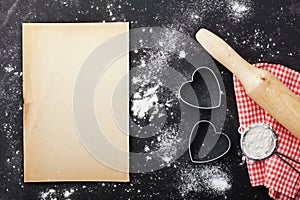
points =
(213, 87)
(207, 95)
(248, 142)
(211, 143)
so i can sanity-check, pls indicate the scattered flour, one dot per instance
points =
(11, 102)
(239, 10)
(68, 193)
(182, 54)
(168, 146)
(142, 102)
(9, 68)
(152, 99)
(207, 179)
(54, 194)
(220, 184)
(48, 194)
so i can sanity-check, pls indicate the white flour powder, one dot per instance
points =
(142, 103)
(258, 142)
(210, 180)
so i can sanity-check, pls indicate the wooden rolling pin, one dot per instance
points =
(260, 85)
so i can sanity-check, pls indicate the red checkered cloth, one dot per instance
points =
(283, 181)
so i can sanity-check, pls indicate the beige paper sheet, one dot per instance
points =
(52, 57)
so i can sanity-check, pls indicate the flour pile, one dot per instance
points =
(259, 142)
(211, 180)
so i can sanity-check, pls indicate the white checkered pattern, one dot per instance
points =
(283, 182)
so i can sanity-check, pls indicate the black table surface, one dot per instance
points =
(261, 31)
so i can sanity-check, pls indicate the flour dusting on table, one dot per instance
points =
(212, 180)
(68, 193)
(48, 194)
(168, 146)
(239, 10)
(153, 103)
(143, 101)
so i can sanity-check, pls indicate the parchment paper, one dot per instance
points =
(52, 57)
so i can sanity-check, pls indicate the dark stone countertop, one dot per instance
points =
(261, 31)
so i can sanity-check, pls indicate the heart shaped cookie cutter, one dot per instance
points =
(212, 84)
(211, 145)
(215, 94)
